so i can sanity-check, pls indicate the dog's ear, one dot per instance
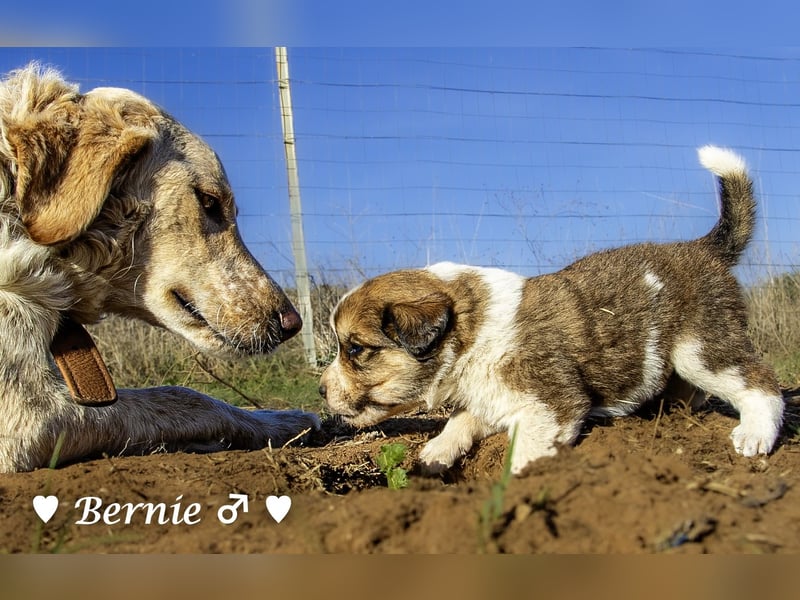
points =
(68, 151)
(419, 326)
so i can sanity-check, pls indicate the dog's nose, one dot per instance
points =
(323, 391)
(291, 323)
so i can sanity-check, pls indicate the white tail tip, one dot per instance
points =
(721, 161)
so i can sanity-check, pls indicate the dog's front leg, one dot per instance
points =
(536, 431)
(460, 432)
(176, 418)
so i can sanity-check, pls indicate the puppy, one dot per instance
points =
(108, 204)
(536, 356)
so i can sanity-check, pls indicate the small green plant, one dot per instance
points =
(38, 535)
(390, 456)
(492, 509)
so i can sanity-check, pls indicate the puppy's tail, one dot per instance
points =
(733, 231)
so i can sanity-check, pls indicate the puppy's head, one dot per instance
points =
(138, 210)
(393, 344)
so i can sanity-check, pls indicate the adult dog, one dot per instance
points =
(109, 205)
(535, 357)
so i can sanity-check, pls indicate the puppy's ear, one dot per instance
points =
(68, 151)
(419, 326)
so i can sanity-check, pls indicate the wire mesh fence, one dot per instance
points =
(522, 158)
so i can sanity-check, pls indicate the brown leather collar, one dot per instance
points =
(80, 363)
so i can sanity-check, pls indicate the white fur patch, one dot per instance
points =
(652, 369)
(534, 432)
(475, 370)
(447, 271)
(29, 287)
(653, 282)
(760, 413)
(721, 161)
(688, 363)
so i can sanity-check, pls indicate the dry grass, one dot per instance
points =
(324, 298)
(775, 324)
(139, 355)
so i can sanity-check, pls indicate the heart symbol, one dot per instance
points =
(45, 507)
(278, 507)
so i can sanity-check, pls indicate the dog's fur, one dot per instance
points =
(109, 205)
(536, 357)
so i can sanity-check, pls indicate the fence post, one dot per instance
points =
(302, 279)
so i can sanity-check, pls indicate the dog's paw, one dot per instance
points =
(438, 455)
(282, 426)
(750, 439)
(760, 420)
(431, 469)
(525, 455)
(293, 417)
(204, 447)
(757, 431)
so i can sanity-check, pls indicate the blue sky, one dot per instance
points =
(523, 157)
(511, 23)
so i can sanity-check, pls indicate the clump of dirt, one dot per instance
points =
(665, 480)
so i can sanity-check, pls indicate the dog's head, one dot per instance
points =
(394, 342)
(138, 210)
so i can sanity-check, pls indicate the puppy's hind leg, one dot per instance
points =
(747, 384)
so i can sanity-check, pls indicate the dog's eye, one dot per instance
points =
(210, 204)
(207, 201)
(354, 350)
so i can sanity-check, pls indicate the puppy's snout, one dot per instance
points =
(291, 323)
(323, 383)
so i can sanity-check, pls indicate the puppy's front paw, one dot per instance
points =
(438, 455)
(523, 456)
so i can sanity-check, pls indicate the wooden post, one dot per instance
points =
(302, 279)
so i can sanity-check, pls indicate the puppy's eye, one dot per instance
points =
(354, 350)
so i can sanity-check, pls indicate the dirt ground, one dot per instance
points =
(663, 480)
